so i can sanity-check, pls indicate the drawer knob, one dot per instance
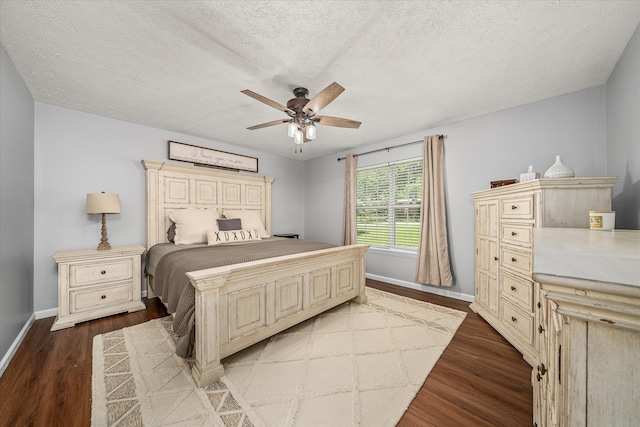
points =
(513, 233)
(542, 369)
(513, 319)
(513, 260)
(103, 272)
(103, 296)
(495, 258)
(540, 329)
(513, 288)
(514, 207)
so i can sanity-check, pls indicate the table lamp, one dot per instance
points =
(103, 203)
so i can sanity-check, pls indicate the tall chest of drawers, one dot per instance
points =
(96, 283)
(505, 294)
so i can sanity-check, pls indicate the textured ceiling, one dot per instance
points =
(406, 65)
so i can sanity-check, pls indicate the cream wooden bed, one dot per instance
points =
(241, 304)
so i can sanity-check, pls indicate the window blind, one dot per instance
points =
(388, 202)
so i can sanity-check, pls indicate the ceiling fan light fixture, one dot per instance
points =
(301, 123)
(311, 131)
(291, 129)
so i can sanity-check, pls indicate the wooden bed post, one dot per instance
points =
(360, 275)
(207, 368)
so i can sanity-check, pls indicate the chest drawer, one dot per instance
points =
(520, 261)
(517, 208)
(517, 234)
(100, 272)
(517, 290)
(91, 299)
(518, 321)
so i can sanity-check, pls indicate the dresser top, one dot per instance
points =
(548, 183)
(603, 256)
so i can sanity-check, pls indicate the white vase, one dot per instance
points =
(559, 170)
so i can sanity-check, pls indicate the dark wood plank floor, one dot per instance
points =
(480, 380)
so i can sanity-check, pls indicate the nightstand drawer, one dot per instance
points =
(518, 321)
(100, 272)
(84, 300)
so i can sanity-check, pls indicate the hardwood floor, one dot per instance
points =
(480, 380)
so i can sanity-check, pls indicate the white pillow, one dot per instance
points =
(216, 237)
(250, 220)
(192, 225)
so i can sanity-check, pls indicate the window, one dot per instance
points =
(388, 200)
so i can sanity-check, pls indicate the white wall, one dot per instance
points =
(623, 135)
(78, 153)
(496, 146)
(16, 199)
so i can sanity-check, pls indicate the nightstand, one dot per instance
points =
(93, 284)
(287, 235)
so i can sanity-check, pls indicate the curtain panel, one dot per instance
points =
(349, 211)
(433, 266)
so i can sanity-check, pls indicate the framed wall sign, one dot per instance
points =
(208, 157)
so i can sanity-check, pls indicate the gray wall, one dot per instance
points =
(623, 135)
(16, 199)
(477, 151)
(78, 153)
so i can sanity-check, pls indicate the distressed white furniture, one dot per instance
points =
(239, 305)
(93, 283)
(589, 370)
(505, 217)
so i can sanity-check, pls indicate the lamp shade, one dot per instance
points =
(98, 203)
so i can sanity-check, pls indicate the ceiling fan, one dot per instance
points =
(302, 112)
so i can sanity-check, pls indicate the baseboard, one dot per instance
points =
(417, 286)
(16, 343)
(42, 314)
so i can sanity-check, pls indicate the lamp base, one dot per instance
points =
(104, 242)
(104, 246)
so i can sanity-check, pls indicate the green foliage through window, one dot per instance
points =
(388, 201)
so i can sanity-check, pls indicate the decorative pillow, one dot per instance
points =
(192, 225)
(250, 220)
(216, 237)
(229, 224)
(171, 232)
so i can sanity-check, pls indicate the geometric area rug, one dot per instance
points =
(354, 365)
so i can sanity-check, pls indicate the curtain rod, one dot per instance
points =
(389, 148)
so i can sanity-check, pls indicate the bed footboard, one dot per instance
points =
(241, 304)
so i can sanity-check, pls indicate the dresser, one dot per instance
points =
(589, 369)
(96, 283)
(505, 294)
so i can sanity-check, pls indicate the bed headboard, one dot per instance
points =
(172, 186)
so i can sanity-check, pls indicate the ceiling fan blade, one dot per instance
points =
(323, 98)
(269, 102)
(337, 121)
(273, 123)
